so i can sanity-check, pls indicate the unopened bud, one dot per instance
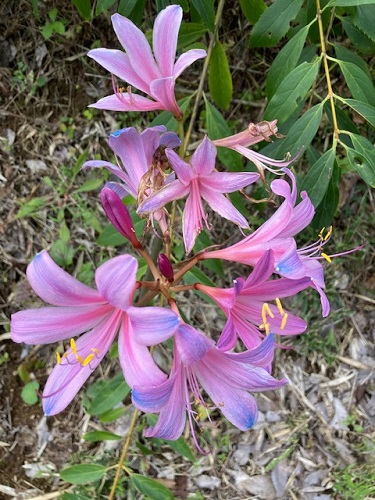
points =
(119, 215)
(165, 267)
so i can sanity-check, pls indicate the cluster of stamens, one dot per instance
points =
(266, 311)
(82, 361)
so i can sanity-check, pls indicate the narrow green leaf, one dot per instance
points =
(360, 41)
(62, 253)
(31, 207)
(112, 415)
(350, 56)
(218, 128)
(182, 448)
(110, 237)
(108, 394)
(291, 91)
(151, 488)
(102, 5)
(253, 9)
(362, 158)
(206, 10)
(364, 19)
(220, 79)
(73, 496)
(82, 474)
(137, 12)
(95, 436)
(285, 61)
(195, 275)
(358, 82)
(89, 185)
(273, 24)
(326, 210)
(350, 3)
(363, 109)
(125, 7)
(318, 177)
(84, 8)
(166, 118)
(190, 33)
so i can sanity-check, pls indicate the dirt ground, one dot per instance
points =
(317, 431)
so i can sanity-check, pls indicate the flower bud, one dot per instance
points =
(165, 267)
(119, 215)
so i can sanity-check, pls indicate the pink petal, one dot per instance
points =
(151, 139)
(152, 325)
(117, 62)
(115, 280)
(184, 171)
(191, 344)
(166, 28)
(52, 324)
(228, 337)
(262, 355)
(303, 214)
(225, 182)
(173, 191)
(111, 167)
(261, 272)
(220, 204)
(162, 90)
(136, 361)
(55, 286)
(192, 219)
(68, 377)
(186, 59)
(123, 101)
(137, 48)
(204, 157)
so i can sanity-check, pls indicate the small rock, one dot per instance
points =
(340, 416)
(241, 455)
(204, 481)
(273, 416)
(36, 165)
(261, 486)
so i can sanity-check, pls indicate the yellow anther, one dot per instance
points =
(267, 328)
(321, 233)
(268, 310)
(327, 257)
(80, 359)
(283, 321)
(73, 346)
(88, 359)
(279, 306)
(95, 351)
(58, 358)
(329, 232)
(65, 355)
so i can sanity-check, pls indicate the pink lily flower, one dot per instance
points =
(102, 314)
(154, 74)
(252, 135)
(198, 180)
(227, 378)
(277, 234)
(246, 305)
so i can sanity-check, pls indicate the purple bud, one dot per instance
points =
(119, 215)
(165, 267)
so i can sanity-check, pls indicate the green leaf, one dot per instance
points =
(364, 19)
(95, 436)
(102, 5)
(318, 177)
(253, 9)
(358, 82)
(125, 7)
(301, 133)
(326, 210)
(182, 448)
(82, 474)
(291, 91)
(84, 8)
(110, 237)
(362, 108)
(58, 27)
(218, 128)
(62, 253)
(285, 61)
(29, 393)
(107, 394)
(47, 31)
(360, 41)
(31, 207)
(220, 79)
(206, 10)
(73, 496)
(190, 33)
(349, 56)
(90, 185)
(273, 24)
(112, 415)
(195, 275)
(151, 488)
(166, 118)
(350, 3)
(362, 158)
